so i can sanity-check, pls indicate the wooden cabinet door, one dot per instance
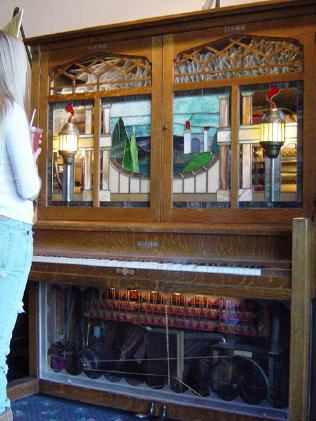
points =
(216, 83)
(114, 92)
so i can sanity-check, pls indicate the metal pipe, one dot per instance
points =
(272, 179)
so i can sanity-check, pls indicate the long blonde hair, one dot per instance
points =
(13, 73)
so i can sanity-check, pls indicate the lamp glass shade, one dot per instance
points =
(272, 131)
(273, 126)
(68, 143)
(68, 138)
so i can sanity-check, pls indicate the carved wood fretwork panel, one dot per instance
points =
(237, 56)
(101, 73)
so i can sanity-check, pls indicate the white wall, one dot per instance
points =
(50, 16)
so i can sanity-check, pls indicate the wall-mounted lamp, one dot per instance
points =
(68, 147)
(272, 131)
(272, 134)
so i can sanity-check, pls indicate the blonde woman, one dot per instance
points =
(19, 185)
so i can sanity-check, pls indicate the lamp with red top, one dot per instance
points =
(68, 147)
(272, 135)
(272, 126)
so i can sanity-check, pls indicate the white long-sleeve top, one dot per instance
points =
(19, 180)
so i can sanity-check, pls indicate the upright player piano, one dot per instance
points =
(173, 273)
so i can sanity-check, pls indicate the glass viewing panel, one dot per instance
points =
(257, 169)
(70, 183)
(223, 352)
(125, 146)
(201, 158)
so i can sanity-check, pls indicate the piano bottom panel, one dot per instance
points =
(139, 406)
(167, 350)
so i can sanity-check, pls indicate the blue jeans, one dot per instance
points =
(16, 249)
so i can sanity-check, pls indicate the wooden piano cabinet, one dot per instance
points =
(170, 198)
(301, 291)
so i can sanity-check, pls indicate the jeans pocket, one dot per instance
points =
(6, 248)
(16, 249)
(29, 250)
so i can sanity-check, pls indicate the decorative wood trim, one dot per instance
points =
(96, 151)
(83, 96)
(156, 130)
(236, 216)
(22, 388)
(91, 66)
(247, 80)
(167, 147)
(216, 228)
(33, 289)
(302, 279)
(125, 215)
(309, 124)
(235, 54)
(234, 182)
(41, 83)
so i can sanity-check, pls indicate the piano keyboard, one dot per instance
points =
(176, 267)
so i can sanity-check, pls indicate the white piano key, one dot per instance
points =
(239, 271)
(201, 268)
(165, 266)
(133, 265)
(178, 267)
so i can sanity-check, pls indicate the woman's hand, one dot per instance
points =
(36, 154)
(36, 140)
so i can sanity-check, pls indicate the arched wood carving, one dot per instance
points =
(237, 56)
(101, 73)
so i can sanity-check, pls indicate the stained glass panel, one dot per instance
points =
(201, 159)
(125, 146)
(71, 184)
(266, 181)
